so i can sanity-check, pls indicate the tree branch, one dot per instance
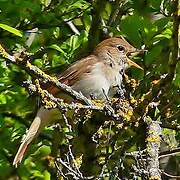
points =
(169, 152)
(174, 48)
(153, 144)
(36, 72)
(94, 32)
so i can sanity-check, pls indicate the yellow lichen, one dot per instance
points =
(120, 126)
(154, 178)
(49, 104)
(153, 138)
(128, 115)
(100, 132)
(28, 65)
(133, 101)
(101, 160)
(98, 103)
(51, 161)
(88, 114)
(78, 160)
(3, 52)
(79, 105)
(134, 83)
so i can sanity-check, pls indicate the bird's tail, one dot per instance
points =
(42, 119)
(27, 139)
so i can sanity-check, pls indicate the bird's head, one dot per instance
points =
(116, 50)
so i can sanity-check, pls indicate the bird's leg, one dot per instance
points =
(120, 91)
(92, 96)
(105, 95)
(108, 109)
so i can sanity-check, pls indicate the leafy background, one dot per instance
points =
(146, 24)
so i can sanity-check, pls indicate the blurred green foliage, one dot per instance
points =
(147, 24)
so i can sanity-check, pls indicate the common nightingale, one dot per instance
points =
(95, 75)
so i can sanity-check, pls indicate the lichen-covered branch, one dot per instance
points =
(36, 72)
(152, 148)
(50, 102)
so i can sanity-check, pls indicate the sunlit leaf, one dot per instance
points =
(11, 30)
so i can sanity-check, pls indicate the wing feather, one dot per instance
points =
(74, 72)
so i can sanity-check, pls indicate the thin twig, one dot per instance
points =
(59, 170)
(73, 27)
(75, 174)
(169, 153)
(170, 175)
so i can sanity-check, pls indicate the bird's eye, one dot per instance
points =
(121, 48)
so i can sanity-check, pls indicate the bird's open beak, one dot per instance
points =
(131, 63)
(134, 53)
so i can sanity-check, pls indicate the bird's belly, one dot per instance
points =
(95, 85)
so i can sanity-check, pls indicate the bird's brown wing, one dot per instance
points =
(74, 72)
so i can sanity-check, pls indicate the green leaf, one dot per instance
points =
(3, 99)
(47, 175)
(44, 150)
(165, 34)
(134, 27)
(162, 23)
(153, 54)
(46, 3)
(56, 47)
(11, 30)
(74, 43)
(156, 4)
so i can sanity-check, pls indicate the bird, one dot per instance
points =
(93, 76)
